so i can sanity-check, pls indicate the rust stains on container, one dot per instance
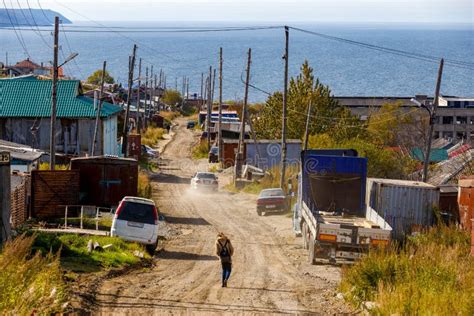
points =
(466, 202)
(106, 180)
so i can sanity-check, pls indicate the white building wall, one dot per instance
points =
(109, 127)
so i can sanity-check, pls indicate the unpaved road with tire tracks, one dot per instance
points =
(270, 270)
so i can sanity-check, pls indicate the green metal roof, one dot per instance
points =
(436, 154)
(32, 98)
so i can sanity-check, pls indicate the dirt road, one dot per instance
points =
(270, 272)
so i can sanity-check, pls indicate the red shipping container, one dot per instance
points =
(466, 202)
(472, 237)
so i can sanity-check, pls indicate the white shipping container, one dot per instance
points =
(406, 206)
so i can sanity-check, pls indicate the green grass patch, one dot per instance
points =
(200, 151)
(76, 258)
(431, 274)
(30, 283)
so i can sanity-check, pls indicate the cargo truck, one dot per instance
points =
(330, 213)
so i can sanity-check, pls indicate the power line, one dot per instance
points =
(426, 58)
(18, 36)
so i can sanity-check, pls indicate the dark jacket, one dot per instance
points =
(220, 242)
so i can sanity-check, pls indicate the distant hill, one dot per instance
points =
(24, 17)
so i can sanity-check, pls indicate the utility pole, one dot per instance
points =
(187, 88)
(202, 91)
(432, 112)
(213, 86)
(306, 134)
(131, 66)
(5, 196)
(285, 97)
(209, 108)
(146, 98)
(176, 84)
(139, 93)
(219, 121)
(152, 93)
(99, 109)
(54, 95)
(240, 155)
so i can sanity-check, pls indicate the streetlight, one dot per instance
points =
(431, 112)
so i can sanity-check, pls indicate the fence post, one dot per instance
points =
(82, 214)
(65, 218)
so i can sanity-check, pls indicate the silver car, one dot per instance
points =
(204, 180)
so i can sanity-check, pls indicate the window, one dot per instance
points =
(471, 120)
(447, 120)
(461, 119)
(448, 135)
(436, 135)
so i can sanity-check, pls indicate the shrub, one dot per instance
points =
(432, 274)
(144, 185)
(29, 283)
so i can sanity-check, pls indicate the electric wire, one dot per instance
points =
(36, 24)
(25, 50)
(427, 58)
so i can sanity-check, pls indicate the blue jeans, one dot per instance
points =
(226, 270)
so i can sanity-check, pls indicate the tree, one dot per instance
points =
(326, 112)
(96, 77)
(171, 97)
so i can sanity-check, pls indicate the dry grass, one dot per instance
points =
(144, 185)
(152, 135)
(169, 115)
(432, 274)
(29, 283)
(200, 151)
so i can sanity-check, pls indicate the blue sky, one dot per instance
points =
(412, 11)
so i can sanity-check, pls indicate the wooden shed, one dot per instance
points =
(106, 180)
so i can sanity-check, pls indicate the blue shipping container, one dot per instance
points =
(334, 183)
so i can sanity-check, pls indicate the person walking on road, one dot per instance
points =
(224, 251)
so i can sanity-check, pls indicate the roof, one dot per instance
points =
(401, 183)
(436, 154)
(453, 98)
(32, 98)
(19, 151)
(26, 64)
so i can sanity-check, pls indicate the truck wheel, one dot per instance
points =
(304, 232)
(312, 251)
(259, 213)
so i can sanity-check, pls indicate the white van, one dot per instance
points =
(136, 220)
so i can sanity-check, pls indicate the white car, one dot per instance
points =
(204, 180)
(136, 220)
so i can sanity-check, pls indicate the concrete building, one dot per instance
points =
(455, 115)
(25, 111)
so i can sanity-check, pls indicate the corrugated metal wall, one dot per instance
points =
(270, 154)
(406, 207)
